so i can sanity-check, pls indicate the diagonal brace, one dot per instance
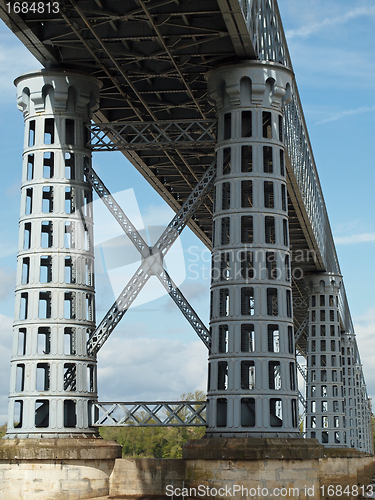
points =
(152, 259)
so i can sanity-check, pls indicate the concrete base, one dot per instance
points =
(252, 449)
(56, 469)
(254, 468)
(72, 469)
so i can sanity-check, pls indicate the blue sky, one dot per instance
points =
(154, 352)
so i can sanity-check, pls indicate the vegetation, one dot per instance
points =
(155, 442)
(3, 430)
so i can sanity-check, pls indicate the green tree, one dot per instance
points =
(155, 442)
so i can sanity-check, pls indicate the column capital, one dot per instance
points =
(270, 85)
(323, 282)
(67, 91)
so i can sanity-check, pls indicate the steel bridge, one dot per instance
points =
(152, 58)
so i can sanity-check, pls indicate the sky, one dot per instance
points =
(154, 354)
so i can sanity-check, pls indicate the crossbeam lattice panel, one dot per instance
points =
(150, 414)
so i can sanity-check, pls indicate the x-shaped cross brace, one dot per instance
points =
(152, 258)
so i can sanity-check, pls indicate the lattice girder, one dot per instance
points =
(150, 414)
(148, 135)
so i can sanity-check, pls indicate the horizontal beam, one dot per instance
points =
(152, 135)
(150, 414)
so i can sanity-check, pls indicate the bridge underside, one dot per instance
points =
(152, 57)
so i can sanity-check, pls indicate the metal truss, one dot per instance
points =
(117, 311)
(302, 371)
(302, 400)
(115, 209)
(154, 414)
(186, 309)
(152, 135)
(70, 379)
(301, 329)
(300, 302)
(304, 171)
(270, 44)
(266, 32)
(301, 351)
(152, 259)
(187, 210)
(268, 37)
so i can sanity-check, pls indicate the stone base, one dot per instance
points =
(72, 469)
(56, 469)
(252, 449)
(293, 469)
(345, 467)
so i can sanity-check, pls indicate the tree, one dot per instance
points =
(155, 442)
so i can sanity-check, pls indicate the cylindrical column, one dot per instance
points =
(252, 377)
(325, 413)
(353, 412)
(53, 379)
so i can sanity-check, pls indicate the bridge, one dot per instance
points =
(201, 98)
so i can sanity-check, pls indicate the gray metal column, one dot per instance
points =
(368, 440)
(364, 409)
(53, 379)
(324, 387)
(252, 374)
(353, 410)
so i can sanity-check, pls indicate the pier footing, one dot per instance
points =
(56, 469)
(74, 469)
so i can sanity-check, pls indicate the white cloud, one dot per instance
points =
(15, 60)
(355, 238)
(144, 369)
(365, 332)
(157, 215)
(312, 28)
(339, 68)
(8, 245)
(345, 113)
(7, 281)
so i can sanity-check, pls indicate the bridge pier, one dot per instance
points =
(354, 423)
(56, 469)
(325, 413)
(252, 374)
(53, 378)
(50, 449)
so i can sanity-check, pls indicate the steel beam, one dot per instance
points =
(301, 329)
(302, 399)
(151, 260)
(115, 210)
(117, 311)
(302, 371)
(187, 210)
(152, 135)
(154, 414)
(184, 306)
